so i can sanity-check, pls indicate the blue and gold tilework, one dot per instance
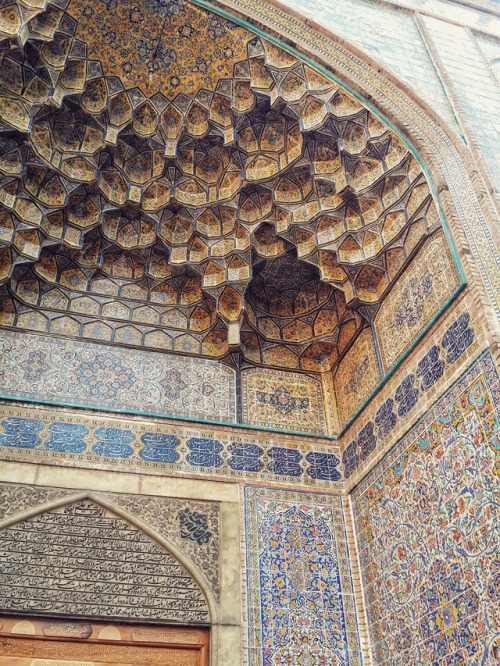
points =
(81, 439)
(300, 600)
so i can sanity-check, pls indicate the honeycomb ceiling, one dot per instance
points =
(166, 170)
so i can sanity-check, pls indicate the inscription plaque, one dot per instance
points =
(82, 562)
(66, 652)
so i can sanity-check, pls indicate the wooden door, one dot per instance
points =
(64, 643)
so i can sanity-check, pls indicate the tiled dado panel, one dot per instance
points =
(428, 522)
(300, 600)
(81, 439)
(85, 374)
(417, 382)
(287, 400)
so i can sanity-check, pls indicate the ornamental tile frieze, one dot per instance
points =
(69, 371)
(451, 347)
(155, 447)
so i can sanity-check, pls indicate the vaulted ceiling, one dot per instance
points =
(170, 179)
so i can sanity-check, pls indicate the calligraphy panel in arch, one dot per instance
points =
(83, 561)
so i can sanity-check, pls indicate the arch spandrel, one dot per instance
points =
(144, 187)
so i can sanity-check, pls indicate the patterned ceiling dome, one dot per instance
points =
(170, 179)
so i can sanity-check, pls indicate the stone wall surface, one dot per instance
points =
(472, 87)
(428, 525)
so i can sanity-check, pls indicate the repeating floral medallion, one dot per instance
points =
(60, 371)
(429, 523)
(105, 375)
(283, 399)
(299, 590)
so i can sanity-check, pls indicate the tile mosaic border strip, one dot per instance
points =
(105, 442)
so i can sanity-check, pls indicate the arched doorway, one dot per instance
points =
(97, 590)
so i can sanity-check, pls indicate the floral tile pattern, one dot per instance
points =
(299, 590)
(91, 375)
(416, 299)
(357, 376)
(428, 522)
(286, 400)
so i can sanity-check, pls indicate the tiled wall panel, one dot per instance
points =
(300, 601)
(284, 400)
(416, 299)
(420, 380)
(428, 524)
(357, 376)
(86, 374)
